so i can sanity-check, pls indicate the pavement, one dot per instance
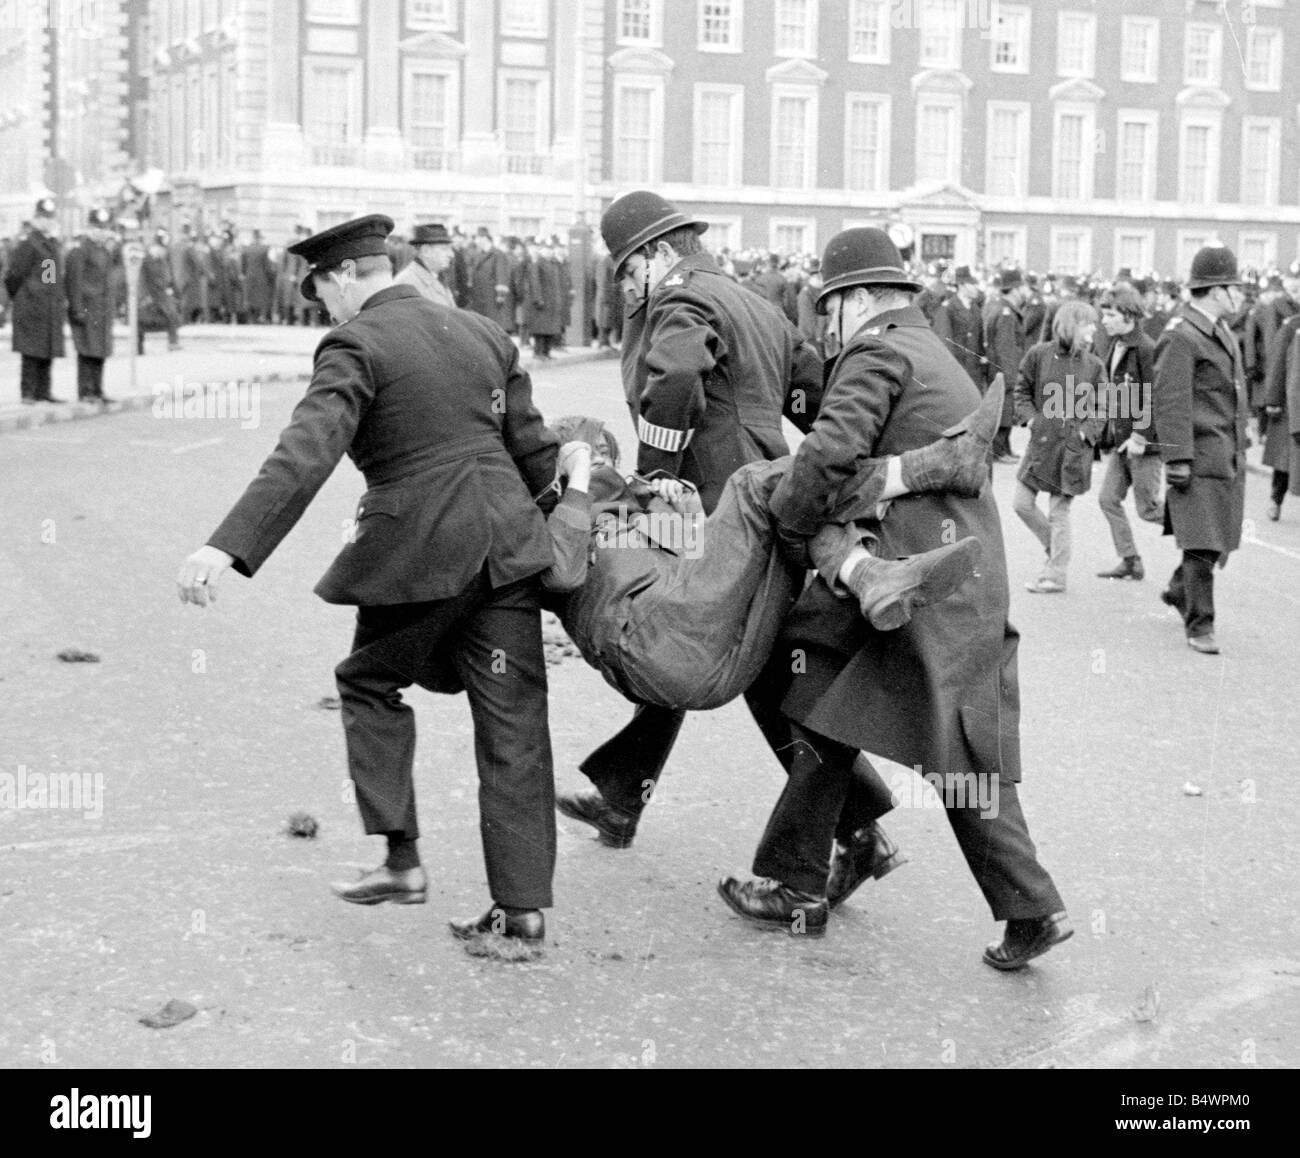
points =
(1158, 788)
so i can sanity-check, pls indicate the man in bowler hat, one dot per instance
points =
(432, 255)
(443, 564)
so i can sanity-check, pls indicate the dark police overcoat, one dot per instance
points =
(34, 280)
(91, 304)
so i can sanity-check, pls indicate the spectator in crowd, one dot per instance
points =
(1005, 343)
(91, 309)
(158, 309)
(960, 327)
(431, 257)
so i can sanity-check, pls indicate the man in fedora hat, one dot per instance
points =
(34, 282)
(432, 255)
(443, 562)
(1200, 406)
(940, 693)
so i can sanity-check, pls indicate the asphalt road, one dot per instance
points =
(205, 730)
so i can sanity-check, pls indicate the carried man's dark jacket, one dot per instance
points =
(697, 416)
(431, 405)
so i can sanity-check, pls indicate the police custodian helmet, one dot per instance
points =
(636, 219)
(862, 257)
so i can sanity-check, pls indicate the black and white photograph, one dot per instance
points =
(650, 535)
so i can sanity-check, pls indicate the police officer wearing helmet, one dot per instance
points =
(708, 369)
(91, 265)
(941, 691)
(443, 564)
(34, 282)
(1201, 405)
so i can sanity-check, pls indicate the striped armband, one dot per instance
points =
(663, 437)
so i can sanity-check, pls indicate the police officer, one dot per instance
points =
(939, 693)
(91, 307)
(433, 408)
(1005, 344)
(1201, 407)
(34, 282)
(1282, 413)
(432, 255)
(708, 368)
(959, 326)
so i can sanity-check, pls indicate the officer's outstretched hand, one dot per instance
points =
(198, 576)
(1178, 475)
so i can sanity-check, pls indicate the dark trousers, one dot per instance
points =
(1002, 442)
(627, 766)
(1281, 480)
(1192, 589)
(832, 791)
(90, 377)
(491, 643)
(543, 344)
(34, 378)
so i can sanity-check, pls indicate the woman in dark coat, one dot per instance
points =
(1057, 396)
(91, 305)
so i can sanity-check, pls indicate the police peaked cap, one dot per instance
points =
(361, 237)
(864, 256)
(636, 219)
(1213, 265)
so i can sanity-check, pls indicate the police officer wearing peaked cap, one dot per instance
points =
(941, 691)
(442, 565)
(708, 369)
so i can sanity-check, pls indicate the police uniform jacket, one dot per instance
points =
(35, 282)
(1282, 388)
(1005, 343)
(431, 405)
(1057, 394)
(489, 287)
(708, 368)
(942, 690)
(90, 297)
(1262, 323)
(961, 329)
(1201, 410)
(542, 299)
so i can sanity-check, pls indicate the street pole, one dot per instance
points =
(132, 259)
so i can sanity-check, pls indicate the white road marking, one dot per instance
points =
(1290, 554)
(196, 445)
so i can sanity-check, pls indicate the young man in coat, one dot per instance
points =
(432, 407)
(1130, 360)
(34, 280)
(1005, 342)
(940, 692)
(91, 307)
(1201, 407)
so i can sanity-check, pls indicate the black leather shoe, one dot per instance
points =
(1026, 939)
(870, 855)
(1167, 597)
(615, 828)
(407, 887)
(773, 904)
(528, 927)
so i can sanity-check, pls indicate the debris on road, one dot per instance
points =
(303, 824)
(1148, 1005)
(1190, 789)
(328, 704)
(76, 655)
(496, 948)
(173, 1013)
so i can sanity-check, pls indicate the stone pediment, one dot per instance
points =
(942, 80)
(642, 60)
(1079, 90)
(939, 195)
(796, 72)
(1203, 97)
(435, 45)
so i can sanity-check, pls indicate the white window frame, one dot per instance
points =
(1274, 126)
(1216, 54)
(1148, 260)
(1089, 66)
(736, 159)
(954, 102)
(450, 71)
(1214, 151)
(1087, 146)
(1020, 247)
(318, 12)
(734, 235)
(1152, 71)
(808, 50)
(1151, 119)
(812, 116)
(883, 8)
(1250, 236)
(1024, 17)
(737, 42)
(444, 23)
(885, 105)
(1024, 111)
(356, 97)
(1274, 81)
(923, 9)
(543, 79)
(807, 223)
(1055, 233)
(656, 37)
(654, 85)
(536, 29)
